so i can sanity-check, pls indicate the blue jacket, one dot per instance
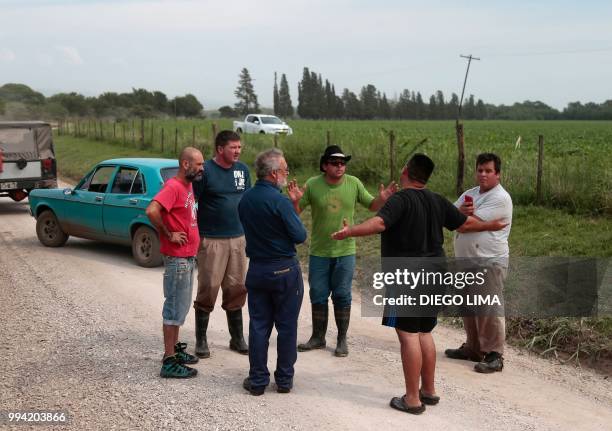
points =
(271, 226)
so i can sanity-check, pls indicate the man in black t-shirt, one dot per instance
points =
(411, 223)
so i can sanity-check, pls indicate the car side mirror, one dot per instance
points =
(68, 192)
(256, 121)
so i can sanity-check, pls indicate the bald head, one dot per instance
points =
(191, 164)
(188, 154)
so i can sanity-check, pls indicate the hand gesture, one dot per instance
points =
(179, 238)
(294, 191)
(467, 208)
(342, 233)
(386, 192)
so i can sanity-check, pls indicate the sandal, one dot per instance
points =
(430, 400)
(398, 403)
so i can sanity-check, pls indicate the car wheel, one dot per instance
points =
(145, 247)
(49, 231)
(239, 130)
(262, 133)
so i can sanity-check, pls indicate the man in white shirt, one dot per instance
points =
(486, 334)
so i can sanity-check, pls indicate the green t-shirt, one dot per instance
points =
(330, 204)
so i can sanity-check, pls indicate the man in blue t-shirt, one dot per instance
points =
(222, 261)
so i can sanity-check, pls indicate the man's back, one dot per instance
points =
(414, 219)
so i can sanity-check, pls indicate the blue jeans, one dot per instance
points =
(178, 285)
(275, 292)
(331, 275)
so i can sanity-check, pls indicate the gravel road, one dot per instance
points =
(80, 331)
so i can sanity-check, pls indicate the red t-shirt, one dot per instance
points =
(179, 215)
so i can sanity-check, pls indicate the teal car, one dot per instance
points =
(108, 205)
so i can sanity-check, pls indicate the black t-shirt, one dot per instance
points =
(414, 219)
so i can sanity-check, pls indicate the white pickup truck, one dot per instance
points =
(264, 124)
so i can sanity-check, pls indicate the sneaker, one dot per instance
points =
(491, 363)
(463, 353)
(253, 390)
(173, 369)
(182, 356)
(284, 389)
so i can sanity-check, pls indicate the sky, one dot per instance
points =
(553, 51)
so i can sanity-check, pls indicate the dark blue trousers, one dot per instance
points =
(275, 291)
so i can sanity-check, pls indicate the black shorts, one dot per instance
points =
(411, 324)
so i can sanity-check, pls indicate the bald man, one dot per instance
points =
(173, 213)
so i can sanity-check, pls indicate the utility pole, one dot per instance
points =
(459, 131)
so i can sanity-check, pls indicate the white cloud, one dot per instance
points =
(6, 55)
(70, 54)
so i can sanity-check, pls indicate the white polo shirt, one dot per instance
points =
(491, 205)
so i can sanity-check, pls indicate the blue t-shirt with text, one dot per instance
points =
(218, 194)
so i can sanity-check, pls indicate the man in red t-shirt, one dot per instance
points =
(173, 213)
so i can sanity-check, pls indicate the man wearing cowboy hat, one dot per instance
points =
(332, 196)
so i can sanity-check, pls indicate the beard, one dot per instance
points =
(282, 183)
(194, 175)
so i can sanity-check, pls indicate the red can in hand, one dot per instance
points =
(468, 199)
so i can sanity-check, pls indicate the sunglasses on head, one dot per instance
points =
(337, 163)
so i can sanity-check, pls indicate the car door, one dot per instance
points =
(125, 201)
(84, 206)
(250, 125)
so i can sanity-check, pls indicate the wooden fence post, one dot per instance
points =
(193, 137)
(392, 176)
(114, 130)
(460, 158)
(276, 140)
(162, 140)
(123, 128)
(214, 131)
(176, 141)
(328, 138)
(101, 130)
(142, 133)
(539, 199)
(152, 135)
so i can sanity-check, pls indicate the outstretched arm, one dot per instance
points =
(474, 224)
(384, 193)
(371, 226)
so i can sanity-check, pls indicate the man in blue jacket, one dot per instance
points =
(274, 278)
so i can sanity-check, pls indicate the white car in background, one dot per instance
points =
(264, 124)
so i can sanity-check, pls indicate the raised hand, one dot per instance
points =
(294, 191)
(386, 192)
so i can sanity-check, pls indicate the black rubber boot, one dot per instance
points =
(234, 324)
(201, 325)
(343, 316)
(319, 328)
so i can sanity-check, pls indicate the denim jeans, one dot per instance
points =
(275, 296)
(178, 285)
(331, 275)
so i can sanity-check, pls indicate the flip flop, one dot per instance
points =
(398, 404)
(430, 400)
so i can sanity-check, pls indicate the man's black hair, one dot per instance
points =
(224, 137)
(489, 157)
(420, 168)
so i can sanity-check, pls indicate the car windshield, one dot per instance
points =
(168, 173)
(271, 120)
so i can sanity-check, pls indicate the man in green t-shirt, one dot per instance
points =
(332, 197)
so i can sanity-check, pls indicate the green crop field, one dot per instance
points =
(576, 167)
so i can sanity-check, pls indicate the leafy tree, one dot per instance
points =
(245, 92)
(227, 112)
(188, 106)
(284, 99)
(369, 102)
(352, 105)
(276, 97)
(21, 93)
(75, 104)
(384, 109)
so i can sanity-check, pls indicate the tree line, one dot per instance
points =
(318, 99)
(21, 102)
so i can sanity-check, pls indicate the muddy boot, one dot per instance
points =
(201, 325)
(234, 324)
(319, 328)
(343, 316)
